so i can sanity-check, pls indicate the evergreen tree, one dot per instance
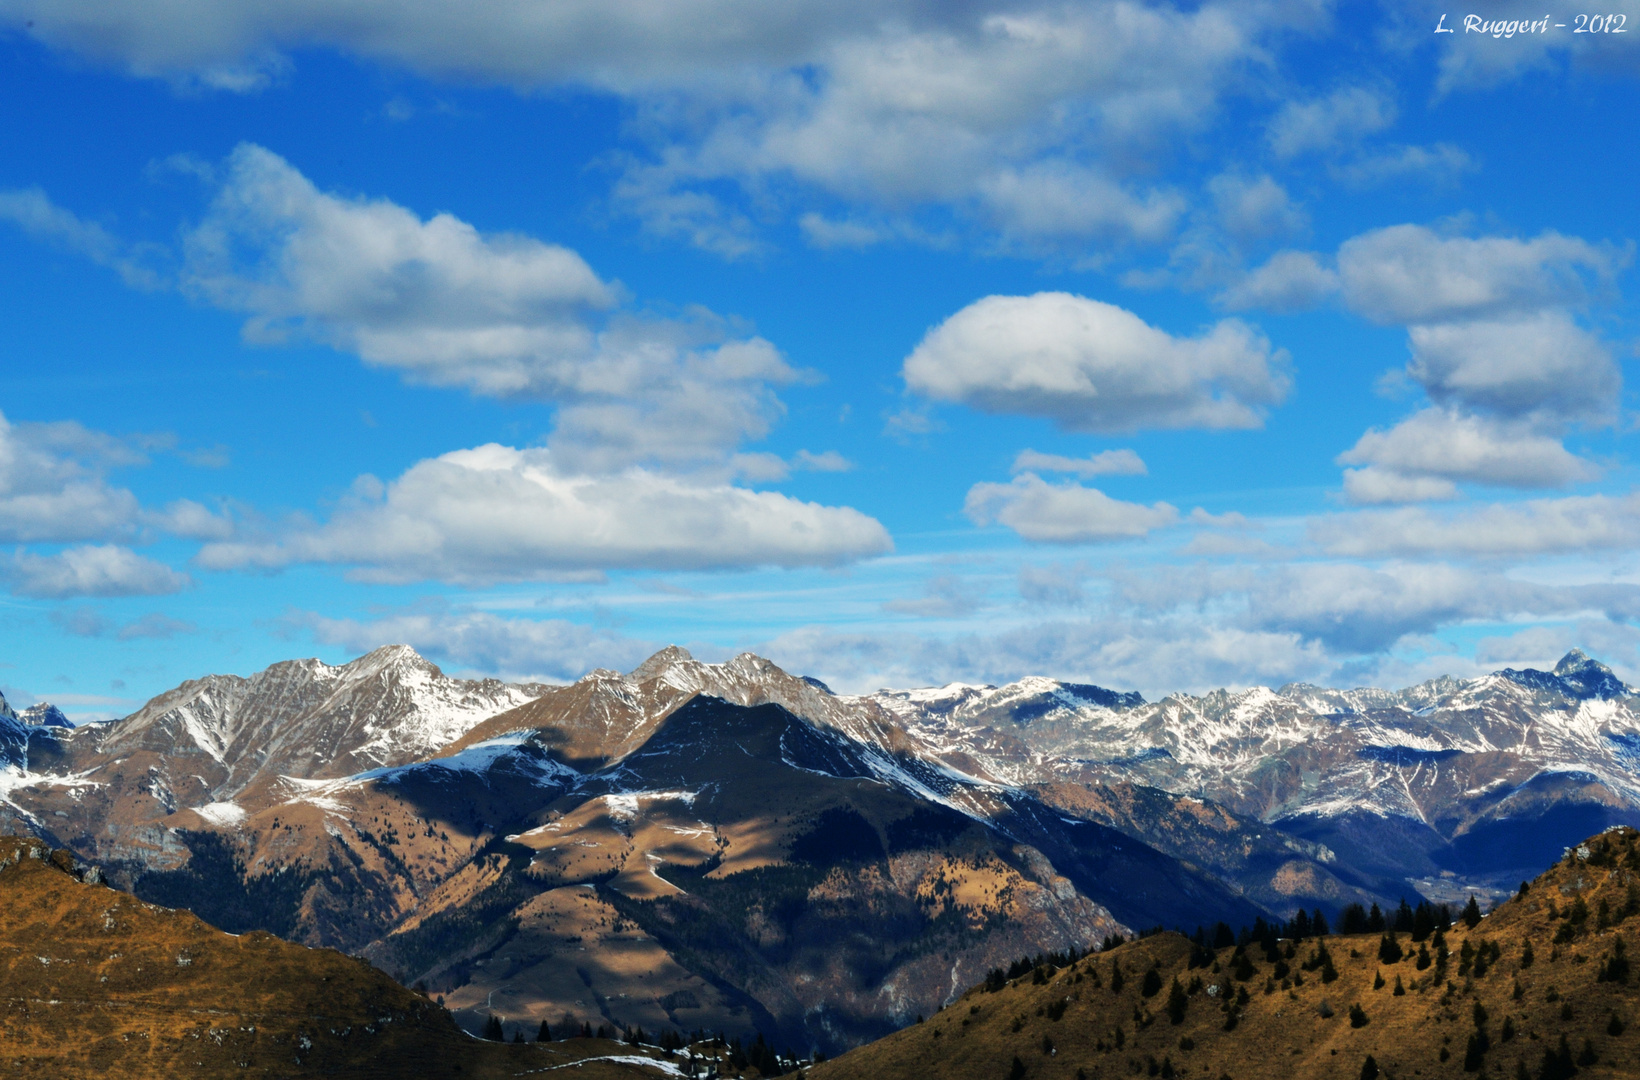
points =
(1178, 1001)
(1017, 1071)
(493, 1030)
(1369, 1068)
(1557, 1063)
(762, 1057)
(1616, 967)
(1358, 1016)
(1318, 924)
(1353, 919)
(586, 1030)
(1399, 991)
(1404, 918)
(1299, 928)
(1472, 912)
(1423, 921)
(545, 1034)
(1473, 1054)
(1375, 920)
(1152, 984)
(1389, 950)
(518, 1035)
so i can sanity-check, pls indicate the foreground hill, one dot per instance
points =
(1543, 987)
(94, 982)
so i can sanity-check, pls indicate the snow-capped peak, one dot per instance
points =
(308, 718)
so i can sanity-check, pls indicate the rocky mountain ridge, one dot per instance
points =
(616, 832)
(1415, 771)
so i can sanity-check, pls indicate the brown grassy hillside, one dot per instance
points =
(1552, 964)
(96, 983)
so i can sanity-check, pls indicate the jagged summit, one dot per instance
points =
(604, 715)
(1576, 676)
(1573, 660)
(667, 657)
(45, 714)
(1593, 678)
(6, 712)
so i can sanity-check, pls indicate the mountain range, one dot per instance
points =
(729, 846)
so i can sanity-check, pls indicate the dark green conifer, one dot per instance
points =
(1389, 950)
(1178, 1001)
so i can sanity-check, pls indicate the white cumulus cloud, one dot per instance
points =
(496, 513)
(1288, 281)
(54, 487)
(1031, 119)
(90, 570)
(499, 314)
(1353, 609)
(1336, 122)
(1435, 443)
(1106, 462)
(1411, 274)
(1533, 527)
(1065, 513)
(1092, 366)
(1542, 365)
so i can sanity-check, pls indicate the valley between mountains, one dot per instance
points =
(730, 847)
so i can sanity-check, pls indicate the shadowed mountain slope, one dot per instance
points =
(1540, 988)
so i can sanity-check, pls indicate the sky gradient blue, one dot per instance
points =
(272, 436)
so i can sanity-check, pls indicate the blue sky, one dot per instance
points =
(1164, 347)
